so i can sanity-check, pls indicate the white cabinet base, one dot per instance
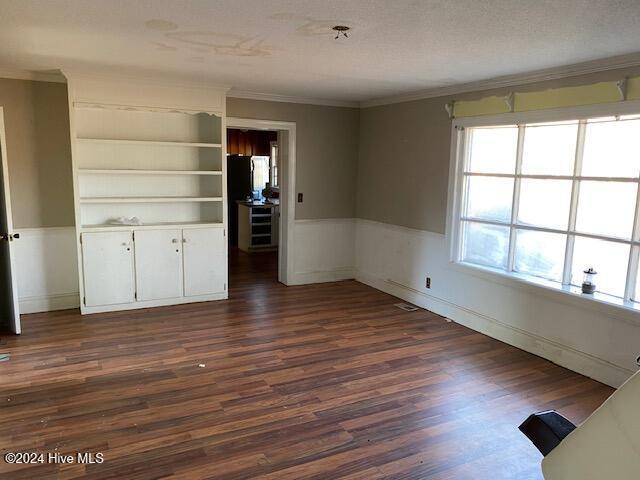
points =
(154, 303)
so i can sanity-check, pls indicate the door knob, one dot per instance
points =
(15, 236)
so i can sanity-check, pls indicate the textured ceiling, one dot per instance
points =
(286, 47)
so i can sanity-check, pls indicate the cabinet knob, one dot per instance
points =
(175, 240)
(124, 244)
(184, 240)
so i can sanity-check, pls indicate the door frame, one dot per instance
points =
(286, 242)
(7, 195)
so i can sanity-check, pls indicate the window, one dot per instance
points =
(274, 164)
(546, 201)
(259, 175)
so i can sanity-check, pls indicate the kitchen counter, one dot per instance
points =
(256, 203)
(258, 224)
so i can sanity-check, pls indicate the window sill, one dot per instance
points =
(608, 305)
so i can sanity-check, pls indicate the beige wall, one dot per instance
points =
(38, 152)
(388, 163)
(404, 153)
(326, 156)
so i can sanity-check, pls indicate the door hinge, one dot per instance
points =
(84, 300)
(133, 236)
(135, 295)
(225, 286)
(80, 239)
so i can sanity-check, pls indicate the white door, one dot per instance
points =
(107, 261)
(9, 309)
(205, 261)
(158, 264)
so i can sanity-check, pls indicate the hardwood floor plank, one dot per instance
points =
(308, 382)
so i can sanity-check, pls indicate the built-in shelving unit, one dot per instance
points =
(148, 199)
(88, 171)
(158, 166)
(156, 152)
(118, 141)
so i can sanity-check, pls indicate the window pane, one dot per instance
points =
(545, 203)
(493, 150)
(540, 254)
(609, 259)
(611, 149)
(490, 198)
(485, 244)
(636, 296)
(606, 208)
(549, 149)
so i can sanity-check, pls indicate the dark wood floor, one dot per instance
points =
(311, 382)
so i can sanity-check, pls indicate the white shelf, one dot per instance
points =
(149, 226)
(115, 141)
(114, 171)
(148, 199)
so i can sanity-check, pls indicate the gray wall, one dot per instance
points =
(39, 153)
(36, 119)
(388, 163)
(326, 156)
(404, 154)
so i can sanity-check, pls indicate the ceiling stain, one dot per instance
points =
(160, 24)
(309, 26)
(164, 47)
(222, 43)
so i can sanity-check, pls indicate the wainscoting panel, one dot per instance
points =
(596, 340)
(324, 250)
(47, 267)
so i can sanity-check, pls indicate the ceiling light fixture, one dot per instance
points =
(341, 30)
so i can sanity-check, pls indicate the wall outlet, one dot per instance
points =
(428, 282)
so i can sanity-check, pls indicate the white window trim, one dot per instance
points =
(456, 201)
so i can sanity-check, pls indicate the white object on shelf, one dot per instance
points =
(126, 221)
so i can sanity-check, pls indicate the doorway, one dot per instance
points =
(260, 185)
(9, 309)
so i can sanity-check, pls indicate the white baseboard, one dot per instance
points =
(581, 362)
(49, 303)
(323, 276)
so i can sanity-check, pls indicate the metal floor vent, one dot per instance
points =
(407, 307)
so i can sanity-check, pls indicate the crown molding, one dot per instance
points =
(150, 78)
(555, 73)
(290, 99)
(19, 74)
(584, 68)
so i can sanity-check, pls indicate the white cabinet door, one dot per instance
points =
(158, 264)
(205, 261)
(107, 260)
